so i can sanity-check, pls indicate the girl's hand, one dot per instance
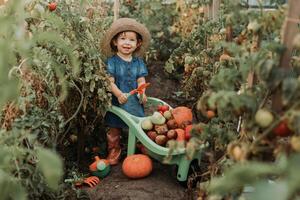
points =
(122, 98)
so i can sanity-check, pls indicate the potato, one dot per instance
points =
(161, 129)
(172, 124)
(161, 140)
(152, 135)
(172, 134)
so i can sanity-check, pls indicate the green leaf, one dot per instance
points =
(239, 175)
(226, 79)
(270, 190)
(11, 188)
(169, 67)
(51, 166)
(292, 171)
(289, 89)
(155, 5)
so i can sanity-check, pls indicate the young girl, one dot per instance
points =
(123, 43)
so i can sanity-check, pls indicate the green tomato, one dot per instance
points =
(264, 118)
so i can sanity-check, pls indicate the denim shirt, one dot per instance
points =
(125, 74)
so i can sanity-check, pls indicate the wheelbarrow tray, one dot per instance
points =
(136, 133)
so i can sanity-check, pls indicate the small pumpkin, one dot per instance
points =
(182, 115)
(137, 166)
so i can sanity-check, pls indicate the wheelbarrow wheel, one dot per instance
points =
(192, 176)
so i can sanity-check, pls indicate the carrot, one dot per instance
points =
(180, 134)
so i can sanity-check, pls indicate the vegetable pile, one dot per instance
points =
(167, 124)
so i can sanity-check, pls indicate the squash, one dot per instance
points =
(147, 124)
(137, 166)
(157, 118)
(167, 114)
(182, 115)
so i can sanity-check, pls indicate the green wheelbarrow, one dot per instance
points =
(136, 133)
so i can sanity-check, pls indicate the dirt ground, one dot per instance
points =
(160, 184)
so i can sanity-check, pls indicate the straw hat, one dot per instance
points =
(125, 24)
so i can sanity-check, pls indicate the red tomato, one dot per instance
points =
(162, 108)
(188, 129)
(282, 129)
(52, 6)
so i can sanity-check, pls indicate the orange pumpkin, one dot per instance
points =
(182, 115)
(137, 166)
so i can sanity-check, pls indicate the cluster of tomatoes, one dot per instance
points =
(162, 108)
(264, 118)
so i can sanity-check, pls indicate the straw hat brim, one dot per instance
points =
(125, 24)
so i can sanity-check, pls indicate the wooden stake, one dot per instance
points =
(215, 9)
(116, 9)
(289, 31)
(208, 11)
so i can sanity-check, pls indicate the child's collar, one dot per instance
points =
(125, 59)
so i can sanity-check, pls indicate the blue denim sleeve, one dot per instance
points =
(143, 71)
(110, 66)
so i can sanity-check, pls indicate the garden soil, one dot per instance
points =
(161, 184)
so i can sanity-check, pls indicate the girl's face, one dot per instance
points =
(127, 43)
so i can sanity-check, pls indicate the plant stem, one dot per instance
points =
(80, 104)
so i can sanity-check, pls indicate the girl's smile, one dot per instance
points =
(126, 43)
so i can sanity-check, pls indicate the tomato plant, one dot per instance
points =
(234, 62)
(49, 58)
